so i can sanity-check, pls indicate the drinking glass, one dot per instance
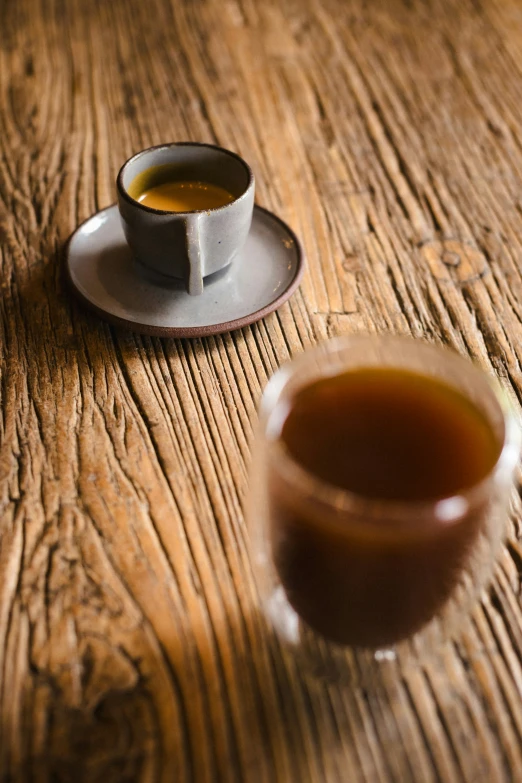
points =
(344, 578)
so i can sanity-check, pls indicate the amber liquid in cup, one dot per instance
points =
(389, 436)
(185, 196)
(159, 187)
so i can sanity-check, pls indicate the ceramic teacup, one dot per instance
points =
(188, 245)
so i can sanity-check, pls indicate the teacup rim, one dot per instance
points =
(122, 191)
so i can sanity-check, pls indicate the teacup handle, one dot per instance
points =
(195, 277)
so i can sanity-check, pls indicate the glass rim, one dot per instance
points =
(448, 509)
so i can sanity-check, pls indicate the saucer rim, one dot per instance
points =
(190, 331)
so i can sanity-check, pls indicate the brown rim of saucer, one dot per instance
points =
(191, 331)
(124, 194)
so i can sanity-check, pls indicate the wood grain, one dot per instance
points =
(388, 134)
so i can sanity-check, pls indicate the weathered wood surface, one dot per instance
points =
(389, 135)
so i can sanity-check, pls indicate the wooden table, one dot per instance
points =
(389, 135)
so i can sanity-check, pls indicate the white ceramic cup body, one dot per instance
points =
(188, 245)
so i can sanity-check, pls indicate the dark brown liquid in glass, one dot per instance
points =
(385, 435)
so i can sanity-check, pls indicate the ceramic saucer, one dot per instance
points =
(105, 276)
